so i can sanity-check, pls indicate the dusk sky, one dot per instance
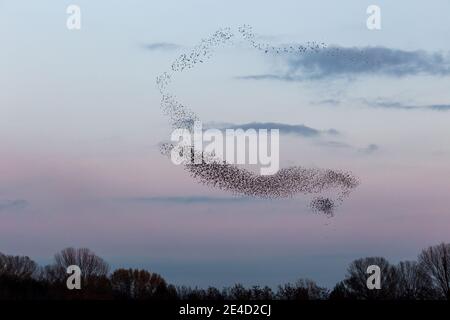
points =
(80, 126)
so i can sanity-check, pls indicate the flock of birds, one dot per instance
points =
(311, 46)
(287, 182)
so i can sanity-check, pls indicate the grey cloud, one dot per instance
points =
(340, 61)
(371, 148)
(381, 103)
(163, 46)
(439, 107)
(334, 144)
(267, 77)
(333, 102)
(13, 204)
(387, 104)
(298, 129)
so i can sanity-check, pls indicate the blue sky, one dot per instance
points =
(80, 123)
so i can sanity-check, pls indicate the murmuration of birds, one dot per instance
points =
(287, 182)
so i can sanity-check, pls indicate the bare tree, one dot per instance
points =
(138, 284)
(2, 263)
(302, 289)
(188, 293)
(90, 264)
(261, 293)
(356, 279)
(213, 293)
(413, 281)
(436, 262)
(238, 292)
(340, 292)
(17, 266)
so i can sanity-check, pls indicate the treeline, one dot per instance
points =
(428, 278)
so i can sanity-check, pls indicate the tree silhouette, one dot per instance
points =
(18, 279)
(90, 264)
(302, 289)
(17, 266)
(213, 294)
(138, 284)
(94, 274)
(188, 293)
(340, 292)
(356, 279)
(238, 292)
(435, 260)
(22, 278)
(413, 282)
(261, 293)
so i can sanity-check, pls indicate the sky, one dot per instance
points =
(80, 126)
